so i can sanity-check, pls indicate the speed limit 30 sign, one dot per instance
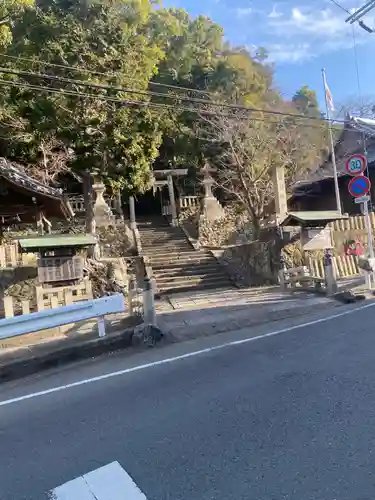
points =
(356, 164)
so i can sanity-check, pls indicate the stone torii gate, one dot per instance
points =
(161, 178)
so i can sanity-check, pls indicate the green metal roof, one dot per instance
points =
(312, 217)
(57, 241)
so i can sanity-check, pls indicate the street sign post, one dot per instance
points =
(356, 164)
(359, 186)
(362, 199)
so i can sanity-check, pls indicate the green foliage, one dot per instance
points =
(10, 11)
(306, 102)
(116, 142)
(130, 44)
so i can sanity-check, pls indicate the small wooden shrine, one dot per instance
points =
(61, 258)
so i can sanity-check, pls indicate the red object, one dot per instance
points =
(356, 164)
(359, 186)
(353, 248)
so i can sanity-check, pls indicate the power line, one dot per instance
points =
(147, 104)
(360, 22)
(100, 73)
(82, 83)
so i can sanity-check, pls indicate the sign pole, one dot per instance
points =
(359, 186)
(369, 240)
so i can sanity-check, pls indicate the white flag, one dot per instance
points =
(328, 96)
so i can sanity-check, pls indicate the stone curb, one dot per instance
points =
(181, 332)
(121, 340)
(65, 354)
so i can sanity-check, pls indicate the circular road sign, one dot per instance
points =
(359, 186)
(356, 164)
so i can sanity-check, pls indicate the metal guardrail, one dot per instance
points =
(51, 318)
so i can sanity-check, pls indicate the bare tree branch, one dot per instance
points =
(247, 149)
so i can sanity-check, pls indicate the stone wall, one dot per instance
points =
(231, 229)
(250, 264)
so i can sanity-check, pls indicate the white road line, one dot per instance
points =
(110, 482)
(181, 357)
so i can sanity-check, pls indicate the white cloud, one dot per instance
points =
(243, 11)
(289, 53)
(304, 32)
(274, 14)
(315, 22)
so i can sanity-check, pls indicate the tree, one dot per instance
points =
(198, 59)
(306, 102)
(10, 10)
(109, 42)
(244, 151)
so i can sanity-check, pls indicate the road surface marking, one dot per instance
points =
(110, 482)
(180, 357)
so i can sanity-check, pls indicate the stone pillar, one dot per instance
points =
(172, 200)
(102, 213)
(281, 207)
(118, 204)
(133, 223)
(329, 273)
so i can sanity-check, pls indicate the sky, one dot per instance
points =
(301, 37)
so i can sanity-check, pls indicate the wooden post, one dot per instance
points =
(13, 255)
(8, 307)
(39, 222)
(2, 256)
(68, 297)
(25, 304)
(54, 301)
(88, 202)
(39, 298)
(88, 289)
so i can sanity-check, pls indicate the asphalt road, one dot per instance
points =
(290, 416)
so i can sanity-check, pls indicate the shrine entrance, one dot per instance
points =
(148, 204)
(160, 200)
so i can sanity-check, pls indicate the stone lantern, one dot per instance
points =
(103, 215)
(211, 208)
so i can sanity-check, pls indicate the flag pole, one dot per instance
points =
(335, 178)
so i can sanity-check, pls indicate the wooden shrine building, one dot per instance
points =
(317, 191)
(26, 200)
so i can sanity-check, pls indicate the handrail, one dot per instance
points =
(59, 316)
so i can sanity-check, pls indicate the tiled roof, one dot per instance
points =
(17, 176)
(349, 142)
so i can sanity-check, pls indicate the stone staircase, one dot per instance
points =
(176, 265)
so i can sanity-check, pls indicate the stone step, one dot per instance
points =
(185, 251)
(189, 287)
(189, 269)
(176, 265)
(179, 260)
(193, 278)
(161, 244)
(163, 248)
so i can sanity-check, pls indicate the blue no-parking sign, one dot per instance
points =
(359, 186)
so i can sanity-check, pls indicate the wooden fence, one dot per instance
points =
(344, 266)
(356, 222)
(48, 298)
(78, 204)
(188, 201)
